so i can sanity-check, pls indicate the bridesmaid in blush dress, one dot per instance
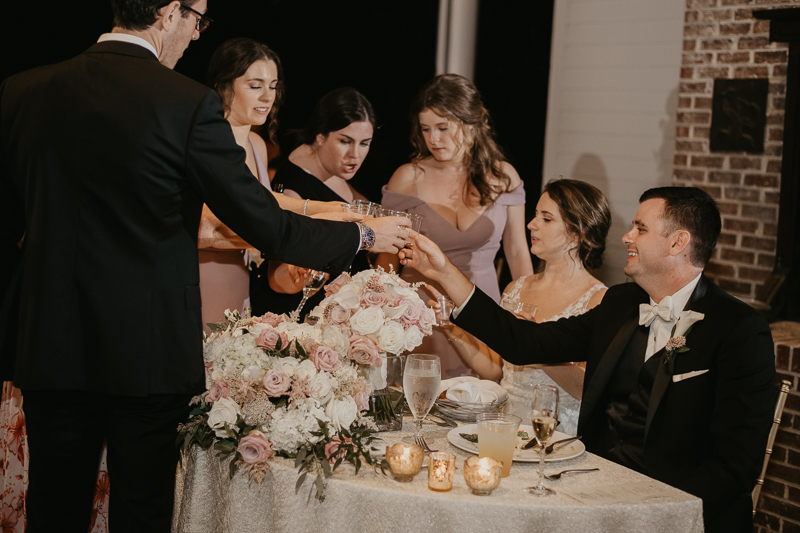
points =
(247, 76)
(472, 199)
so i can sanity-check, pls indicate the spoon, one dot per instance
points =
(553, 477)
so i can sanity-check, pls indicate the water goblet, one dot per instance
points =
(421, 379)
(544, 413)
(312, 283)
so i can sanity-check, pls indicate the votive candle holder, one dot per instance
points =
(441, 467)
(482, 474)
(405, 461)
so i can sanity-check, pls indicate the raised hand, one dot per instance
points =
(429, 260)
(390, 233)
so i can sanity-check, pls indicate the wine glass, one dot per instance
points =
(544, 413)
(421, 379)
(312, 283)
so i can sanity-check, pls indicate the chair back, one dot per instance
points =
(783, 391)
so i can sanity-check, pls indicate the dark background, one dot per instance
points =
(386, 50)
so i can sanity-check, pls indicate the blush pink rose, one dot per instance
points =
(325, 359)
(269, 339)
(411, 314)
(363, 350)
(362, 400)
(425, 322)
(373, 298)
(334, 286)
(255, 448)
(276, 382)
(332, 449)
(218, 389)
(336, 314)
(270, 319)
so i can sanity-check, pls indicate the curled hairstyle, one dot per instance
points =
(231, 61)
(141, 14)
(455, 98)
(337, 110)
(585, 212)
(693, 210)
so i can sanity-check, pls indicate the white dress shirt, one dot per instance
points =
(660, 331)
(128, 38)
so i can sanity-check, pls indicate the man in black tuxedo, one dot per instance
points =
(695, 416)
(107, 160)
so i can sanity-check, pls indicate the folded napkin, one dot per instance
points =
(472, 390)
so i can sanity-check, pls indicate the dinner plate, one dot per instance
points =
(571, 450)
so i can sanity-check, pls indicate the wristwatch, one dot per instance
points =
(367, 236)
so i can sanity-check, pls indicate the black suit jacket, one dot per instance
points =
(705, 435)
(107, 160)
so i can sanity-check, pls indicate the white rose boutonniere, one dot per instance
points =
(677, 340)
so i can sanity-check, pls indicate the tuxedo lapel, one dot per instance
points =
(664, 374)
(607, 366)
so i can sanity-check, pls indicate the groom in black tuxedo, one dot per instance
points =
(695, 416)
(105, 163)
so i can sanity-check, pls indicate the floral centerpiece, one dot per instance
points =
(367, 317)
(303, 391)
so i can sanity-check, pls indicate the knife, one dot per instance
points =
(551, 447)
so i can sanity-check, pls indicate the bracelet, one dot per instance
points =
(305, 206)
(451, 339)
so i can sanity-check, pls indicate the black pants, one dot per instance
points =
(66, 430)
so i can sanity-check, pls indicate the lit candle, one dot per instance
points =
(482, 475)
(405, 461)
(441, 466)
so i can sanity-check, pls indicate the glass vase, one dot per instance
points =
(386, 400)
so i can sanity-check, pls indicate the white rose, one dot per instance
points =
(342, 412)
(348, 298)
(391, 338)
(334, 337)
(306, 369)
(319, 388)
(217, 374)
(413, 338)
(393, 288)
(253, 373)
(288, 365)
(223, 411)
(215, 348)
(367, 321)
(395, 312)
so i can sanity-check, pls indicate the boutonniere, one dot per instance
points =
(677, 340)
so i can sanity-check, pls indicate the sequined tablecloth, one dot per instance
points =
(208, 501)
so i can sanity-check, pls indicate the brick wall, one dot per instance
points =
(722, 40)
(779, 506)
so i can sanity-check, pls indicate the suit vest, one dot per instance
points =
(626, 412)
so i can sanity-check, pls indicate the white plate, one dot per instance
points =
(570, 451)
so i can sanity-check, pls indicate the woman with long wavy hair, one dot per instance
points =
(472, 199)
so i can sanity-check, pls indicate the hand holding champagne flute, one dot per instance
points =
(312, 283)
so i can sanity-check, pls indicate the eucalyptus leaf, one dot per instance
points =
(300, 481)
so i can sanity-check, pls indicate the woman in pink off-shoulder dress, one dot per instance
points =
(472, 199)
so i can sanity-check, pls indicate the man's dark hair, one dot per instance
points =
(693, 210)
(139, 15)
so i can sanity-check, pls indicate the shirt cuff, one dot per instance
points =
(457, 310)
(360, 236)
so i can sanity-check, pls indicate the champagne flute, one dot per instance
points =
(421, 379)
(544, 413)
(312, 283)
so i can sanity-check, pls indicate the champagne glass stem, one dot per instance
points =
(541, 468)
(296, 312)
(419, 427)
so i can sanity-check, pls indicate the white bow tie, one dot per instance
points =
(648, 313)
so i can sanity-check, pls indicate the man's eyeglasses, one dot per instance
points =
(203, 22)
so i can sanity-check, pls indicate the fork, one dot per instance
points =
(424, 445)
(553, 477)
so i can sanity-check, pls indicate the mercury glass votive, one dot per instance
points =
(405, 461)
(482, 474)
(441, 467)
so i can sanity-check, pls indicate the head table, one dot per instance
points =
(208, 501)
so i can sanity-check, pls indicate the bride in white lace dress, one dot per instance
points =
(568, 233)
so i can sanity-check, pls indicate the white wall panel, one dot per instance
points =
(615, 68)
